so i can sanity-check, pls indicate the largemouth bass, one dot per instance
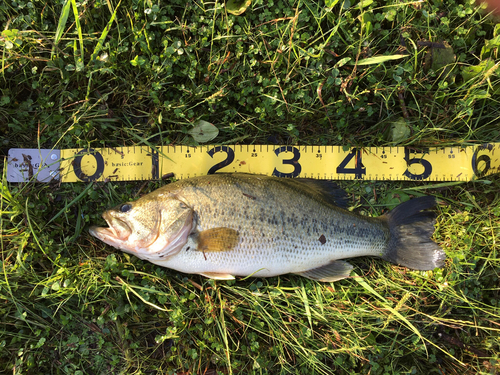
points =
(228, 225)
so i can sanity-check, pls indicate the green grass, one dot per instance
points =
(289, 72)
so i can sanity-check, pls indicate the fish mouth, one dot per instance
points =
(117, 232)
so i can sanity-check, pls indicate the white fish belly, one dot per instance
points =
(275, 258)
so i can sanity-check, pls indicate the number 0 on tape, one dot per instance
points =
(320, 162)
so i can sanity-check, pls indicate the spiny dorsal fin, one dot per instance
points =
(217, 239)
(336, 270)
(325, 190)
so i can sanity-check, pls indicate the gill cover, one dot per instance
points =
(149, 229)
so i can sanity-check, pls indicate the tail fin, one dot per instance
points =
(410, 244)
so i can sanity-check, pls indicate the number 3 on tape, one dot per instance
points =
(294, 161)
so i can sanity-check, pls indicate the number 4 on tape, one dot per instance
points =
(321, 162)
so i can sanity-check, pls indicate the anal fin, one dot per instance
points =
(336, 270)
(217, 276)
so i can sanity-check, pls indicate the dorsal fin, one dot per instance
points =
(324, 190)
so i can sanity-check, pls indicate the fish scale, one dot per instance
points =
(279, 226)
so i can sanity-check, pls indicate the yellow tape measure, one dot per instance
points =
(320, 162)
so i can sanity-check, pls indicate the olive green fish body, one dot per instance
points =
(240, 225)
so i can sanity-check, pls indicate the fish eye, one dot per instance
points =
(183, 205)
(125, 207)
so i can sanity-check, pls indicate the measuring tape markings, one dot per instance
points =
(321, 162)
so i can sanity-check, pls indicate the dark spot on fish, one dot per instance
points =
(274, 220)
(249, 196)
(322, 239)
(188, 248)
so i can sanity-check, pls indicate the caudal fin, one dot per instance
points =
(411, 229)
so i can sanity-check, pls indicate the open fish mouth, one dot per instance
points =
(131, 239)
(117, 232)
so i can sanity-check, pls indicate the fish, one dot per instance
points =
(226, 225)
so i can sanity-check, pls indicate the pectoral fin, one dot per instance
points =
(333, 271)
(218, 276)
(217, 239)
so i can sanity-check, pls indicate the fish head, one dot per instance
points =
(151, 228)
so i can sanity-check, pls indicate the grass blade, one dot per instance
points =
(62, 21)
(104, 34)
(379, 59)
(80, 196)
(387, 305)
(79, 59)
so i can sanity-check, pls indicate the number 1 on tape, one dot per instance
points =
(320, 162)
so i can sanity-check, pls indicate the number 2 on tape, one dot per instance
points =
(224, 163)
